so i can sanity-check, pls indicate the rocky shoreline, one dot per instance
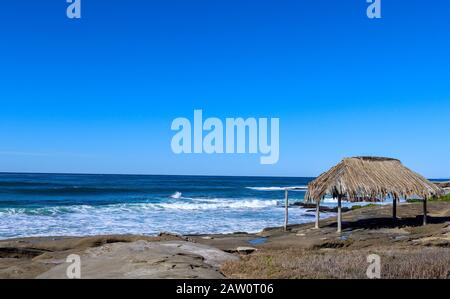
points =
(443, 184)
(323, 209)
(242, 255)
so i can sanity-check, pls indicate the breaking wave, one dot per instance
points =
(212, 204)
(176, 195)
(294, 188)
(193, 204)
(199, 215)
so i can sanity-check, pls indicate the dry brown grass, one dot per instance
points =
(346, 264)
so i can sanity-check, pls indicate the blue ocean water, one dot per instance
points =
(75, 205)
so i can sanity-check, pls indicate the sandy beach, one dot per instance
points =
(407, 250)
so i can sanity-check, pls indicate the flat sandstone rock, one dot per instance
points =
(143, 259)
(245, 250)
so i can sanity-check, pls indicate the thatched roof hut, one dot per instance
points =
(370, 179)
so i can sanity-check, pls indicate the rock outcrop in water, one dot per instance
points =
(312, 207)
(443, 184)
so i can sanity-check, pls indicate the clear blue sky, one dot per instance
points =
(98, 95)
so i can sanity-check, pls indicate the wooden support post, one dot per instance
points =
(394, 208)
(425, 211)
(339, 216)
(286, 212)
(317, 214)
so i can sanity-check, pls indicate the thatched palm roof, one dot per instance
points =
(370, 179)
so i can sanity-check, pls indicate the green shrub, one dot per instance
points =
(356, 207)
(445, 198)
(442, 198)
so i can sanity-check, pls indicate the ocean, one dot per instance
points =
(79, 205)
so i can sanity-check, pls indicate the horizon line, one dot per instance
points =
(141, 174)
(192, 175)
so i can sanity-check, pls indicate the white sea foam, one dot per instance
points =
(330, 200)
(188, 216)
(220, 204)
(199, 215)
(176, 195)
(192, 204)
(292, 188)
